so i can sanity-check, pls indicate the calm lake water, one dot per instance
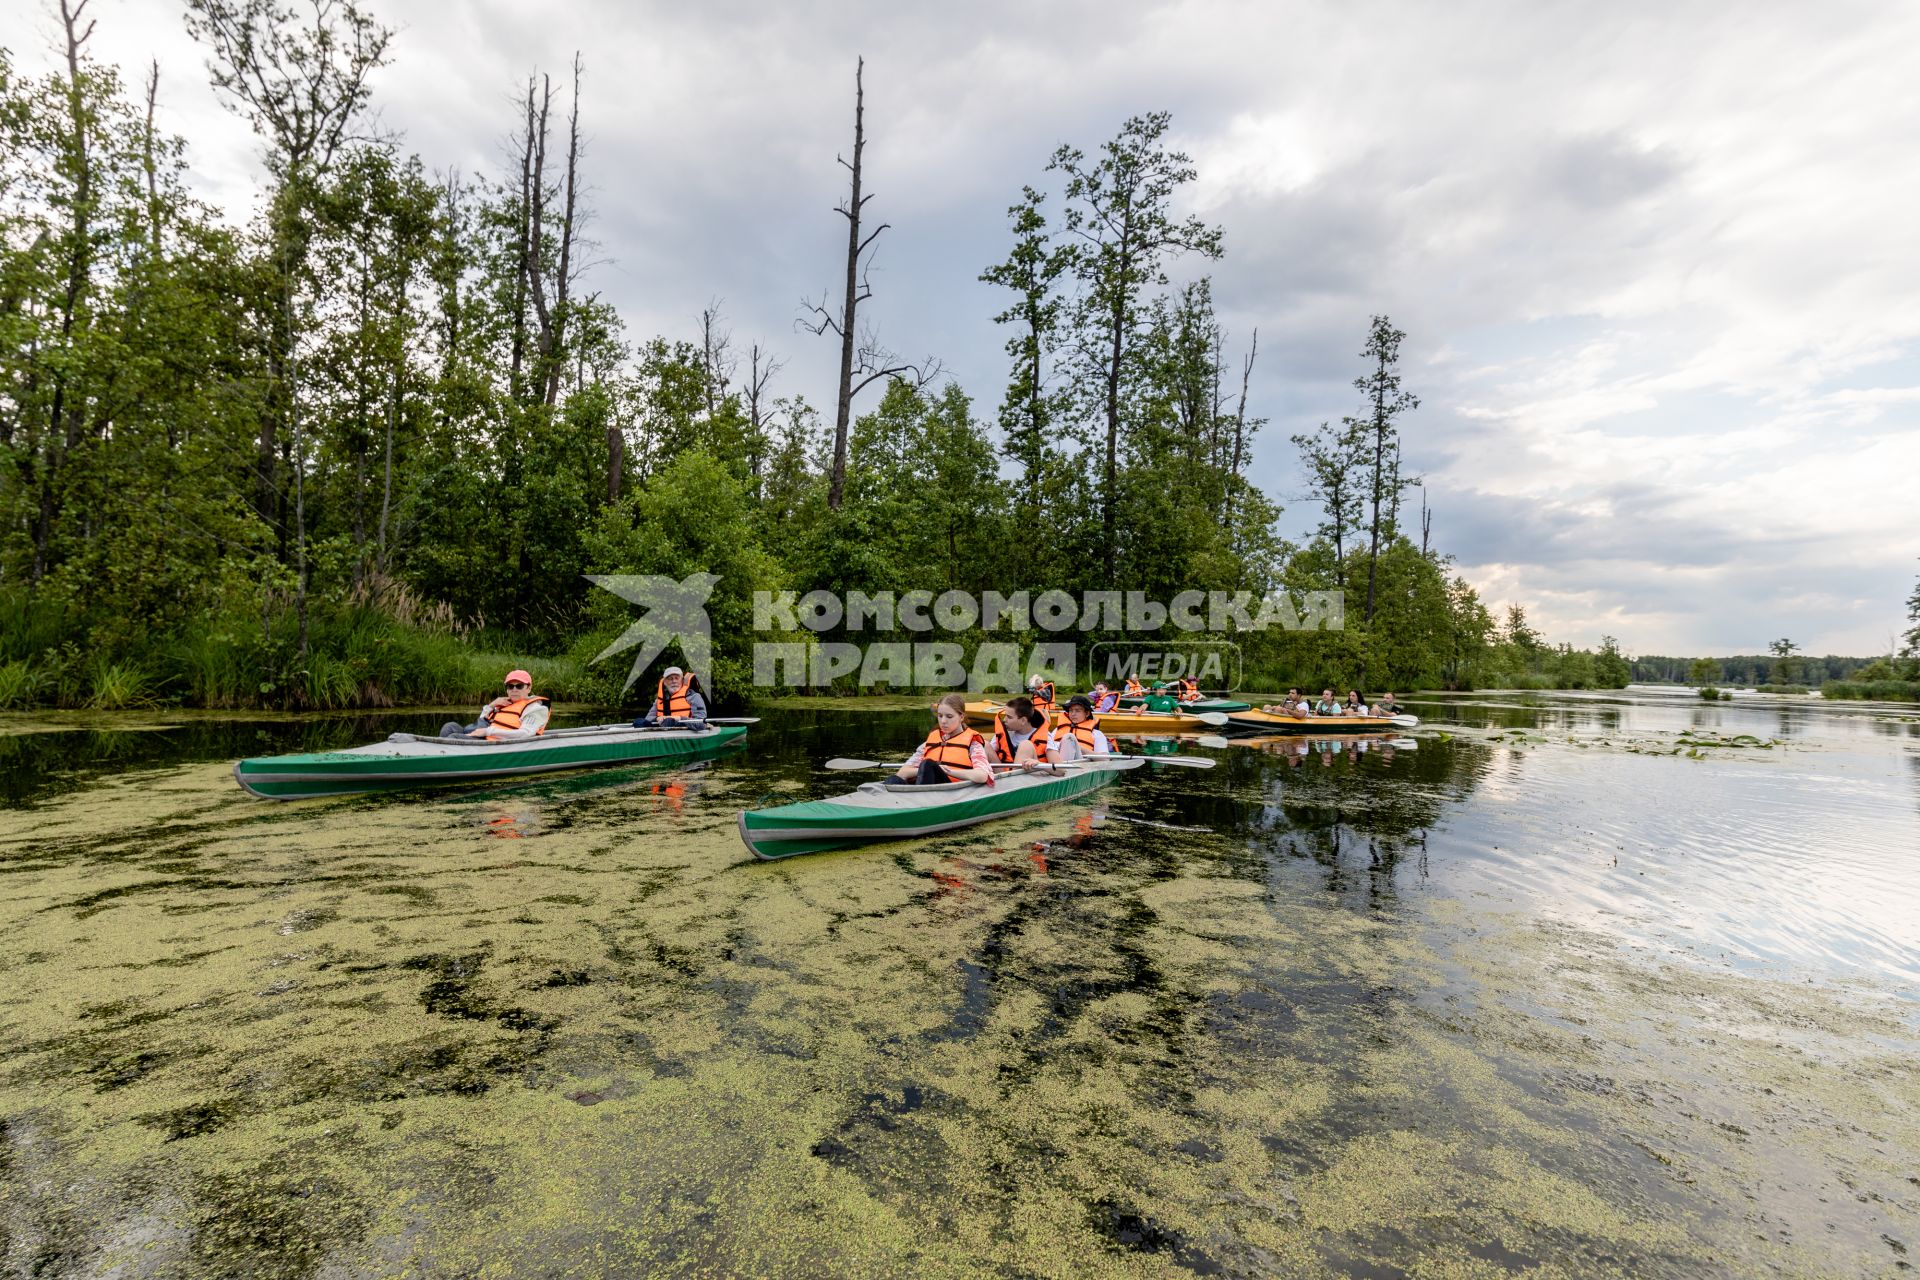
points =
(1577, 985)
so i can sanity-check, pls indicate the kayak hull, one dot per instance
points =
(1112, 722)
(1323, 726)
(406, 763)
(1205, 704)
(879, 812)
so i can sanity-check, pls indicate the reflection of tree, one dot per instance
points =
(1357, 807)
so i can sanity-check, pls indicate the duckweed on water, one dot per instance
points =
(384, 1037)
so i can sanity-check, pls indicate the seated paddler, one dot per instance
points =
(1019, 733)
(952, 752)
(677, 701)
(1079, 734)
(512, 717)
(1103, 699)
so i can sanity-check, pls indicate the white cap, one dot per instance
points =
(671, 671)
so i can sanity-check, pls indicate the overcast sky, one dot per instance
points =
(1656, 263)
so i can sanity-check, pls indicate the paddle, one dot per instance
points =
(1185, 762)
(844, 763)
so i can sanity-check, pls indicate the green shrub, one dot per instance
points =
(1873, 690)
(116, 686)
(1710, 693)
(20, 683)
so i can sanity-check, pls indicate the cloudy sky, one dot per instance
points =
(1656, 262)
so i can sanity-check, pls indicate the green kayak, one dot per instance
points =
(1205, 704)
(409, 761)
(897, 811)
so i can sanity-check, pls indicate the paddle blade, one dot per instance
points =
(1213, 740)
(1215, 718)
(842, 763)
(1406, 722)
(1184, 762)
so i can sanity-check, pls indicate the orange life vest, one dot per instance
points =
(1189, 690)
(1082, 732)
(1043, 696)
(1106, 702)
(955, 752)
(508, 717)
(677, 705)
(1135, 689)
(1004, 747)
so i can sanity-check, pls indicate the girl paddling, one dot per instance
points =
(952, 752)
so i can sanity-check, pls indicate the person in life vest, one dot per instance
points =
(1386, 706)
(1326, 706)
(1289, 705)
(1355, 704)
(1104, 699)
(1189, 689)
(1079, 734)
(512, 717)
(952, 752)
(1041, 691)
(676, 700)
(1019, 733)
(1134, 688)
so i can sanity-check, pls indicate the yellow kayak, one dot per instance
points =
(981, 713)
(1323, 726)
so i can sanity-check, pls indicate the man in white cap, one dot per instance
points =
(676, 698)
(512, 717)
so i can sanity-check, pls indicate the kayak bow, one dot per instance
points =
(900, 811)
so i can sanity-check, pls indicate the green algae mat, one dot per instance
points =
(1439, 1013)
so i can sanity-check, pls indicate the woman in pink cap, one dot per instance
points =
(515, 715)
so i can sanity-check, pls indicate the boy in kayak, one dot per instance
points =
(952, 752)
(1103, 700)
(676, 701)
(1326, 706)
(1017, 736)
(1289, 705)
(1079, 735)
(512, 717)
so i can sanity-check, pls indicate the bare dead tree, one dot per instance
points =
(716, 362)
(148, 161)
(761, 366)
(550, 294)
(861, 355)
(1240, 418)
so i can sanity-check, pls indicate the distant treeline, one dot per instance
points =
(1748, 670)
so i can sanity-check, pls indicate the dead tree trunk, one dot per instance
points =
(843, 403)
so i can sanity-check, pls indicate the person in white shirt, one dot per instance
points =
(512, 717)
(1079, 735)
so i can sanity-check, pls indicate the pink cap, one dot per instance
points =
(519, 676)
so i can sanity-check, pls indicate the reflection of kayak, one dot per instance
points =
(1112, 722)
(1323, 726)
(1286, 743)
(898, 811)
(407, 760)
(1205, 704)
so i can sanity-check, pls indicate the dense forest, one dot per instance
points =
(363, 448)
